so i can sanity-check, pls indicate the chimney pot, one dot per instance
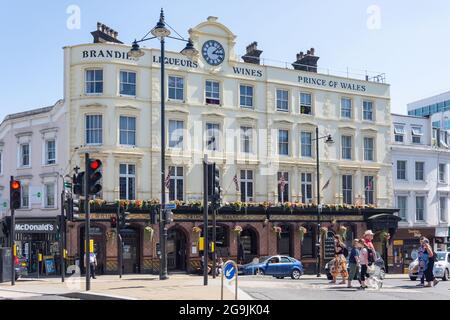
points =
(312, 51)
(99, 26)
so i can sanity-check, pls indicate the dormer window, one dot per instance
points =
(399, 131)
(417, 134)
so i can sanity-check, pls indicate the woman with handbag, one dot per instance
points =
(340, 261)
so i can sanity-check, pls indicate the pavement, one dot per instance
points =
(188, 287)
(130, 287)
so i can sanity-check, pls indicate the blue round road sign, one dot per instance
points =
(229, 271)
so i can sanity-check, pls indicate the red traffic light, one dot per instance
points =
(94, 165)
(15, 185)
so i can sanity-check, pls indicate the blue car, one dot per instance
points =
(276, 266)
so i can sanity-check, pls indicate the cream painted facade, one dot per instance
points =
(326, 92)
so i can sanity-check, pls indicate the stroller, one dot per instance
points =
(376, 273)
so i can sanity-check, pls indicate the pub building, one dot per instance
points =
(268, 173)
(259, 231)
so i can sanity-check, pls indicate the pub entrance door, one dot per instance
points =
(131, 250)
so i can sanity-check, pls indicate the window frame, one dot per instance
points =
(369, 193)
(303, 145)
(246, 96)
(21, 155)
(86, 129)
(128, 72)
(305, 105)
(283, 143)
(367, 150)
(418, 171)
(442, 173)
(281, 100)
(342, 108)
(213, 100)
(246, 142)
(283, 197)
(423, 209)
(246, 180)
(128, 177)
(48, 161)
(173, 183)
(102, 81)
(176, 88)
(346, 148)
(367, 112)
(405, 170)
(404, 216)
(127, 131)
(443, 217)
(46, 195)
(304, 184)
(172, 144)
(216, 138)
(345, 191)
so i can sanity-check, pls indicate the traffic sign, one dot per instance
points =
(229, 271)
(171, 206)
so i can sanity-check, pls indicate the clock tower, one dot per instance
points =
(216, 43)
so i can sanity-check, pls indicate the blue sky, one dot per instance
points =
(411, 44)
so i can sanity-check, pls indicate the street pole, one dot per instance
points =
(13, 241)
(162, 223)
(87, 237)
(205, 220)
(214, 257)
(318, 242)
(119, 243)
(62, 231)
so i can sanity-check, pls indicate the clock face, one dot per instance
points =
(213, 52)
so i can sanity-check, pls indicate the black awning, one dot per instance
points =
(384, 221)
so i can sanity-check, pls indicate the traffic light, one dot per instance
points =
(216, 189)
(154, 215)
(113, 222)
(15, 194)
(94, 172)
(76, 208)
(78, 184)
(168, 216)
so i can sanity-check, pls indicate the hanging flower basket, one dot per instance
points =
(278, 231)
(323, 232)
(302, 231)
(149, 232)
(343, 232)
(237, 230)
(196, 230)
(110, 235)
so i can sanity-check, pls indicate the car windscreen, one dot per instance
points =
(440, 256)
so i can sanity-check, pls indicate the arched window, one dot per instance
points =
(285, 240)
(222, 239)
(249, 241)
(309, 242)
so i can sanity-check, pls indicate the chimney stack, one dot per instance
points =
(105, 34)
(253, 54)
(306, 62)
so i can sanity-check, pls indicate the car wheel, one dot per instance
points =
(413, 278)
(446, 275)
(259, 272)
(296, 274)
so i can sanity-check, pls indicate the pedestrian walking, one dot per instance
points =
(353, 263)
(421, 263)
(364, 262)
(92, 263)
(340, 261)
(429, 275)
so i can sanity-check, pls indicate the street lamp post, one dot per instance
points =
(329, 140)
(161, 32)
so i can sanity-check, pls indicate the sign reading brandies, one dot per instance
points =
(35, 227)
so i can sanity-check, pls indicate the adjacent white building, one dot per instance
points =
(421, 166)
